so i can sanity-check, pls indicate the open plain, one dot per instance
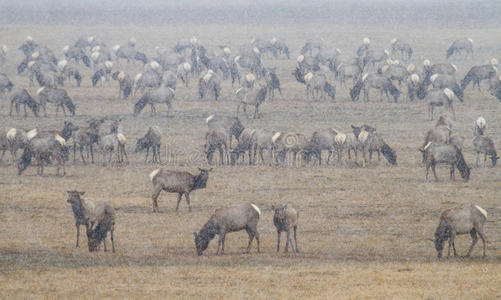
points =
(362, 231)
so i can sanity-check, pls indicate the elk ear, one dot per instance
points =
(432, 240)
(273, 207)
(195, 234)
(82, 193)
(421, 150)
(210, 170)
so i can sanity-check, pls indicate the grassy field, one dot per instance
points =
(362, 231)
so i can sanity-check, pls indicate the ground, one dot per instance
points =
(362, 231)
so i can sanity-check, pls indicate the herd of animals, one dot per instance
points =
(318, 67)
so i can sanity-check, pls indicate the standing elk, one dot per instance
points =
(180, 182)
(479, 126)
(469, 219)
(57, 96)
(401, 48)
(485, 145)
(285, 219)
(217, 138)
(374, 81)
(209, 82)
(42, 149)
(478, 73)
(163, 94)
(254, 96)
(230, 219)
(152, 139)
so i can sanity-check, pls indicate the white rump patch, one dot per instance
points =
(256, 50)
(415, 78)
(66, 48)
(237, 91)
(338, 51)
(387, 52)
(31, 134)
(236, 59)
(121, 76)
(433, 77)
(362, 136)
(115, 48)
(256, 209)
(427, 146)
(4, 49)
(207, 76)
(29, 38)
(253, 131)
(187, 67)
(40, 90)
(454, 66)
(250, 77)
(209, 118)
(426, 63)
(481, 122)
(450, 94)
(365, 76)
(30, 64)
(121, 138)
(273, 40)
(393, 41)
(138, 76)
(481, 210)
(384, 68)
(154, 65)
(35, 55)
(300, 58)
(172, 90)
(90, 39)
(275, 137)
(367, 41)
(132, 40)
(340, 138)
(495, 69)
(61, 64)
(396, 62)
(94, 55)
(96, 49)
(308, 77)
(11, 134)
(108, 64)
(494, 61)
(389, 61)
(411, 68)
(60, 140)
(193, 40)
(154, 173)
(227, 50)
(470, 40)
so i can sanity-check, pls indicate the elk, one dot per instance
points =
(163, 94)
(57, 96)
(254, 96)
(180, 182)
(22, 97)
(373, 142)
(230, 219)
(446, 153)
(152, 139)
(246, 143)
(284, 142)
(478, 73)
(376, 81)
(439, 97)
(231, 125)
(479, 126)
(469, 219)
(485, 145)
(217, 139)
(464, 45)
(285, 219)
(43, 148)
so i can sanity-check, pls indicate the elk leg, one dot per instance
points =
(452, 172)
(295, 238)
(219, 242)
(485, 158)
(478, 158)
(78, 233)
(25, 113)
(112, 240)
(278, 239)
(104, 243)
(11, 105)
(434, 173)
(251, 237)
(154, 197)
(179, 197)
(474, 240)
(187, 195)
(287, 241)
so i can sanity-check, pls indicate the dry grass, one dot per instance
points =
(361, 232)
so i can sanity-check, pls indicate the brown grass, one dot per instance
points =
(361, 232)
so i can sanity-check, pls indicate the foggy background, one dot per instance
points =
(466, 13)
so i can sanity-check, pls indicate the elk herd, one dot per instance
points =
(320, 68)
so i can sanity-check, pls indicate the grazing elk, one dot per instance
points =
(464, 45)
(469, 219)
(253, 96)
(485, 145)
(42, 149)
(284, 142)
(442, 81)
(441, 133)
(209, 82)
(285, 219)
(376, 81)
(373, 142)
(57, 96)
(98, 219)
(22, 97)
(179, 182)
(152, 139)
(263, 140)
(217, 139)
(5, 83)
(231, 125)
(125, 84)
(320, 140)
(246, 143)
(402, 48)
(85, 138)
(163, 94)
(230, 219)
(446, 153)
(272, 83)
(478, 73)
